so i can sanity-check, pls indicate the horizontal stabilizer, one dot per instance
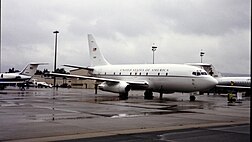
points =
(79, 67)
(234, 87)
(38, 63)
(31, 68)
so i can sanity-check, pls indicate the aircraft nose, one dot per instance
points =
(212, 81)
(208, 83)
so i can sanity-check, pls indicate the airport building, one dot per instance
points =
(81, 83)
(73, 82)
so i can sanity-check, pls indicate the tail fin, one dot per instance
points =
(96, 56)
(30, 69)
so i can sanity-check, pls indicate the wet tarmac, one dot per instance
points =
(39, 114)
(234, 133)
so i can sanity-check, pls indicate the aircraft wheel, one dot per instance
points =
(192, 98)
(148, 95)
(247, 93)
(2, 87)
(123, 96)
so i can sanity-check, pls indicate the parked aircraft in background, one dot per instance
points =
(19, 77)
(226, 84)
(39, 84)
(162, 78)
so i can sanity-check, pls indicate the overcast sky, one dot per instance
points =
(125, 31)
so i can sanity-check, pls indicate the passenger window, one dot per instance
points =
(194, 73)
(158, 74)
(146, 73)
(166, 74)
(130, 73)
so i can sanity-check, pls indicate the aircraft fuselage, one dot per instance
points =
(167, 78)
(8, 77)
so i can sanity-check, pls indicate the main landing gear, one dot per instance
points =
(148, 95)
(123, 96)
(192, 98)
(2, 87)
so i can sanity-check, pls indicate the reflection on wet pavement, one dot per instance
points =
(81, 110)
(83, 104)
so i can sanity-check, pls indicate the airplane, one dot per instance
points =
(226, 84)
(162, 78)
(18, 77)
(39, 84)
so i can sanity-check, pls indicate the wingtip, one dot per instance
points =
(39, 63)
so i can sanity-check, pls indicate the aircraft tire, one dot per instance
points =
(123, 96)
(247, 93)
(148, 95)
(192, 98)
(2, 87)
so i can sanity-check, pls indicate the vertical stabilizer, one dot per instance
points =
(30, 69)
(95, 54)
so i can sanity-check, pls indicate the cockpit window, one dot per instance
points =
(203, 73)
(198, 73)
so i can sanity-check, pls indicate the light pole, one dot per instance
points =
(154, 48)
(201, 55)
(0, 55)
(55, 56)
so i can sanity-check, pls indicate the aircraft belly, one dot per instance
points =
(166, 84)
(169, 84)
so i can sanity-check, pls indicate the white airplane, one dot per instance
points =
(226, 84)
(162, 78)
(18, 77)
(39, 84)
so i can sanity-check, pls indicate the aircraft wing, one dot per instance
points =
(11, 82)
(233, 87)
(99, 79)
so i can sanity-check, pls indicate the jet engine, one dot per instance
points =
(18, 77)
(120, 87)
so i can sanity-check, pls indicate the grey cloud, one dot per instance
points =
(205, 16)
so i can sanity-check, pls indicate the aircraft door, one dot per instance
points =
(194, 83)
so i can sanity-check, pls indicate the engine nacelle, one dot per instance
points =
(18, 77)
(121, 87)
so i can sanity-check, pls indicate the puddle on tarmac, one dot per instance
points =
(135, 106)
(73, 118)
(167, 112)
(99, 99)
